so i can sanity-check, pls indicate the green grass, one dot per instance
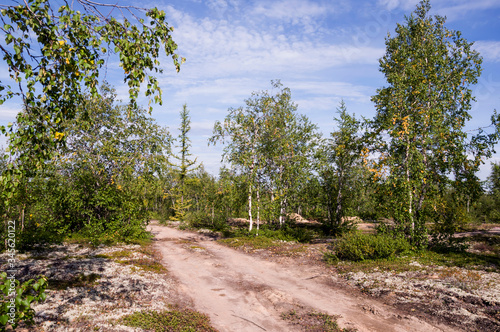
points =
(466, 260)
(345, 254)
(289, 232)
(488, 262)
(313, 321)
(115, 254)
(250, 242)
(172, 321)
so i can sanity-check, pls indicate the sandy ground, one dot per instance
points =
(242, 292)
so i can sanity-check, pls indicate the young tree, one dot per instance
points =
(268, 142)
(491, 200)
(288, 143)
(241, 131)
(341, 156)
(418, 130)
(181, 203)
(55, 55)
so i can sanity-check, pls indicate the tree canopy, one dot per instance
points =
(56, 55)
(418, 130)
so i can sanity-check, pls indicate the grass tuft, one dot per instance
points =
(172, 321)
(313, 321)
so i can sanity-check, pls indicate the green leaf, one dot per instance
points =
(4, 319)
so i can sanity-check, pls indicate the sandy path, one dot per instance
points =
(244, 293)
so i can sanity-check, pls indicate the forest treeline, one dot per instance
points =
(100, 169)
(114, 175)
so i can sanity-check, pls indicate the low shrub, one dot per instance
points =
(16, 300)
(175, 320)
(356, 246)
(199, 219)
(288, 233)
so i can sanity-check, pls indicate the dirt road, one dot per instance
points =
(241, 292)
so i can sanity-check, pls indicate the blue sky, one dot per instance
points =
(324, 51)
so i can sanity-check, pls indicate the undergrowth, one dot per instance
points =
(356, 246)
(172, 321)
(355, 252)
(288, 233)
(313, 321)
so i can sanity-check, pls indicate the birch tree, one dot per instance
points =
(241, 132)
(288, 142)
(418, 129)
(341, 155)
(56, 55)
(270, 144)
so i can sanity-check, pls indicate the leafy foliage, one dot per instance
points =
(55, 56)
(270, 145)
(356, 246)
(339, 169)
(418, 129)
(98, 184)
(16, 299)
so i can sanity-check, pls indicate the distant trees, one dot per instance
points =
(270, 144)
(488, 206)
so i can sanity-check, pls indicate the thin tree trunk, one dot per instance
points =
(338, 208)
(22, 220)
(258, 210)
(250, 207)
(408, 183)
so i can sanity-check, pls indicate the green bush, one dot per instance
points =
(16, 300)
(286, 233)
(358, 247)
(200, 219)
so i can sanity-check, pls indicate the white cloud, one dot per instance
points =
(395, 4)
(334, 91)
(8, 113)
(219, 48)
(451, 9)
(462, 8)
(489, 50)
(293, 11)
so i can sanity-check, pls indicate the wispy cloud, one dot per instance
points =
(220, 48)
(9, 112)
(297, 12)
(454, 10)
(490, 50)
(398, 4)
